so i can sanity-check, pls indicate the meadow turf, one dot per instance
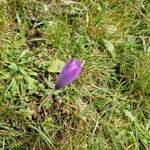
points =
(107, 107)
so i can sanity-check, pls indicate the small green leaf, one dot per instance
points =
(55, 66)
(25, 112)
(14, 86)
(32, 73)
(32, 83)
(109, 45)
(11, 88)
(47, 104)
(22, 87)
(47, 91)
(18, 19)
(24, 53)
(111, 29)
(14, 67)
(130, 115)
(4, 75)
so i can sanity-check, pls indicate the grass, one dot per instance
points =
(108, 107)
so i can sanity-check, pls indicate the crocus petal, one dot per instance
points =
(80, 63)
(70, 72)
(66, 79)
(67, 66)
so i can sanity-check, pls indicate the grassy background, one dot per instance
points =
(108, 107)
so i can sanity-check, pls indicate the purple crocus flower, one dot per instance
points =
(69, 73)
